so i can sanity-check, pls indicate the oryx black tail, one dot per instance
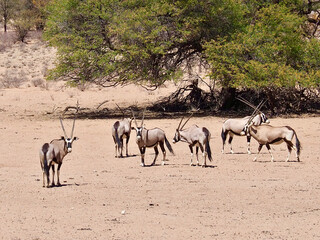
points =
(298, 146)
(116, 126)
(168, 145)
(45, 149)
(207, 145)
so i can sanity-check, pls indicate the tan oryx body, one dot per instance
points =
(147, 138)
(267, 135)
(234, 126)
(121, 130)
(195, 136)
(53, 153)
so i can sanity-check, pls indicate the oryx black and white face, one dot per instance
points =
(69, 140)
(137, 128)
(68, 143)
(264, 119)
(139, 133)
(177, 136)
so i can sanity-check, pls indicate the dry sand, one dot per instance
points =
(103, 197)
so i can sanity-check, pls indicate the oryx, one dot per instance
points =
(234, 126)
(266, 135)
(147, 138)
(120, 130)
(195, 136)
(53, 153)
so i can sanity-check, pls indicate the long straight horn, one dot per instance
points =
(74, 119)
(180, 123)
(64, 131)
(186, 121)
(143, 117)
(246, 102)
(256, 110)
(135, 121)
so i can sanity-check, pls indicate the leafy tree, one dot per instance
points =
(23, 19)
(147, 42)
(40, 14)
(7, 9)
(273, 51)
(258, 44)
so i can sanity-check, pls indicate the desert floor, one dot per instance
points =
(103, 197)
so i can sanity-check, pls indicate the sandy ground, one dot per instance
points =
(103, 197)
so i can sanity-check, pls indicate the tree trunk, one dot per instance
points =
(228, 98)
(5, 20)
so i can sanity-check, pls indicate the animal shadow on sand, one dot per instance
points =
(129, 156)
(68, 185)
(194, 165)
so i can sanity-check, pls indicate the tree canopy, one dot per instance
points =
(245, 43)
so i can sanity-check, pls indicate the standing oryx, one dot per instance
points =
(195, 136)
(147, 138)
(120, 130)
(234, 126)
(53, 153)
(266, 135)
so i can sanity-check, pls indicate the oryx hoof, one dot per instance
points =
(232, 152)
(191, 164)
(142, 164)
(163, 163)
(254, 160)
(249, 152)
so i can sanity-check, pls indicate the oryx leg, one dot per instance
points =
(289, 146)
(259, 149)
(224, 137)
(58, 174)
(197, 150)
(43, 178)
(115, 147)
(47, 172)
(204, 156)
(191, 150)
(296, 150)
(121, 146)
(156, 154)
(142, 151)
(230, 141)
(248, 144)
(163, 151)
(269, 149)
(53, 173)
(127, 141)
(43, 173)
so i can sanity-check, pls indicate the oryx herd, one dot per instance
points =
(256, 126)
